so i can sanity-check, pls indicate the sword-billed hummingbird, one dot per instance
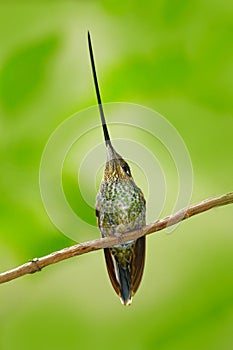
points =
(120, 207)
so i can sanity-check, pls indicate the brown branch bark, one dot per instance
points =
(38, 264)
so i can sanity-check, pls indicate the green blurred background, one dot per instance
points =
(172, 56)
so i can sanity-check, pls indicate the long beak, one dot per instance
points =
(103, 121)
(111, 153)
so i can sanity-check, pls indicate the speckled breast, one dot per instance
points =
(121, 207)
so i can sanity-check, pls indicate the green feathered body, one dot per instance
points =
(121, 208)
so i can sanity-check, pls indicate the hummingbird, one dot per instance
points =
(120, 208)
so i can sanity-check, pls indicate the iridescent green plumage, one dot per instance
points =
(120, 208)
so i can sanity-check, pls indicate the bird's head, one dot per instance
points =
(116, 167)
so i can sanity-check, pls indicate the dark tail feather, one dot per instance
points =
(138, 263)
(110, 260)
(126, 281)
(119, 276)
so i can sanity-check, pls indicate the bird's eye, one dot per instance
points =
(126, 169)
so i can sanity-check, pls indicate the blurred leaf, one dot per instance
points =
(24, 70)
(174, 11)
(166, 70)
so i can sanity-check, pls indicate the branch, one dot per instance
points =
(38, 264)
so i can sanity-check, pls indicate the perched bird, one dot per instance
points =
(120, 207)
